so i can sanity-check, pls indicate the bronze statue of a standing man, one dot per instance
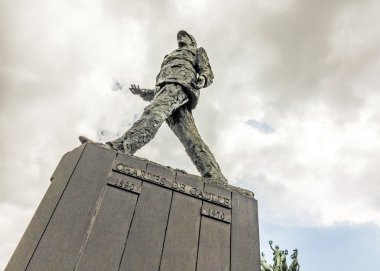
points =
(183, 73)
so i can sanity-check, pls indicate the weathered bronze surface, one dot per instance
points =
(279, 260)
(183, 73)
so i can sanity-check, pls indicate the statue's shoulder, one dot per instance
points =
(201, 51)
(202, 57)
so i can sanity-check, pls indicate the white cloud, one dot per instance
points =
(307, 68)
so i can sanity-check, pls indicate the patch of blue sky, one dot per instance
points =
(348, 247)
(261, 126)
(340, 247)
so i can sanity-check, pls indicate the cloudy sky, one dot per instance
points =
(293, 113)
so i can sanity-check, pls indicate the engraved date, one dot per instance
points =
(218, 215)
(125, 185)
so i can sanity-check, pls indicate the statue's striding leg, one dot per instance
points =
(144, 129)
(182, 124)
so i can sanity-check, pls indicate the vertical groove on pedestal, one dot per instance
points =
(130, 225)
(199, 238)
(97, 206)
(70, 221)
(147, 229)
(129, 230)
(56, 205)
(166, 230)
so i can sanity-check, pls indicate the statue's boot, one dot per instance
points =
(84, 140)
(107, 145)
(116, 146)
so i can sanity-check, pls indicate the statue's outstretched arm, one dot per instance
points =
(270, 244)
(145, 94)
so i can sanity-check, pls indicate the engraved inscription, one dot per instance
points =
(218, 215)
(178, 186)
(173, 184)
(125, 185)
(135, 172)
(209, 196)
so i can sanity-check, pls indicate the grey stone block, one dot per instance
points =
(106, 210)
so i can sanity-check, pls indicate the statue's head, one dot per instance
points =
(277, 247)
(185, 39)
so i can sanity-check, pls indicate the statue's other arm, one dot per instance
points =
(203, 68)
(270, 244)
(145, 93)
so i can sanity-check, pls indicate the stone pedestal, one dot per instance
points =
(109, 211)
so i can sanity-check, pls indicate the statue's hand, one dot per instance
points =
(200, 82)
(270, 242)
(135, 89)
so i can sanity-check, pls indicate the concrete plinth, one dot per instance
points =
(109, 211)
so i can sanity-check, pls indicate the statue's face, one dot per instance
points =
(277, 247)
(183, 40)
